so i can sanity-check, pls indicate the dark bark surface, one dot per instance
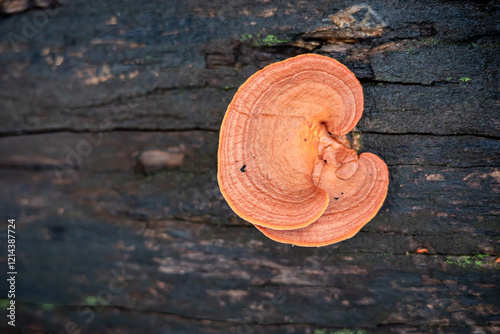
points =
(108, 242)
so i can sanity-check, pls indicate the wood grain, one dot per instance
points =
(105, 248)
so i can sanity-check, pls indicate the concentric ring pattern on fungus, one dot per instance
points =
(284, 162)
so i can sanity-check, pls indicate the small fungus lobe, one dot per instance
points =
(291, 193)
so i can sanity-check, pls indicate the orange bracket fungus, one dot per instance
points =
(284, 161)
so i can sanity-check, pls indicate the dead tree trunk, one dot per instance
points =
(109, 243)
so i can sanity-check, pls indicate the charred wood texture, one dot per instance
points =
(109, 120)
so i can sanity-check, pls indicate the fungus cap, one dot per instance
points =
(353, 203)
(283, 130)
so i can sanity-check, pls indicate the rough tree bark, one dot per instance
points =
(108, 243)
